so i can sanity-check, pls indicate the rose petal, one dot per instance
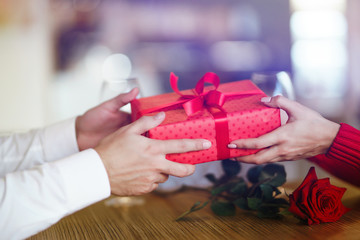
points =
(295, 209)
(298, 199)
(309, 179)
(316, 200)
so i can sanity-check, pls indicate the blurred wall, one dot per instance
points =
(25, 63)
(233, 38)
(353, 96)
(52, 51)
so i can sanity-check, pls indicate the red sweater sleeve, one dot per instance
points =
(343, 157)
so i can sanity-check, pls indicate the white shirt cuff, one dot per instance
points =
(85, 179)
(59, 140)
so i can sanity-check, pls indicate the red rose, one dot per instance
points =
(316, 200)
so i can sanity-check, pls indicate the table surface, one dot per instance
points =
(153, 217)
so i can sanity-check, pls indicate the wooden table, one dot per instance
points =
(153, 218)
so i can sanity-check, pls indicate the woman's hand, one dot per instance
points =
(305, 135)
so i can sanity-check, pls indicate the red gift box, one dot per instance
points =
(220, 113)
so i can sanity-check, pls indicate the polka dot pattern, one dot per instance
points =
(247, 118)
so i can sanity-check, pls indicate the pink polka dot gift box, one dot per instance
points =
(220, 113)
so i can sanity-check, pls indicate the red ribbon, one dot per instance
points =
(222, 135)
(205, 100)
(197, 102)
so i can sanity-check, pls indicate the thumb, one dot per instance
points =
(122, 99)
(146, 123)
(292, 108)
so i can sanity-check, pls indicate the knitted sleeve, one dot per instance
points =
(343, 157)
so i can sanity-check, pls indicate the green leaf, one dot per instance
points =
(194, 208)
(267, 192)
(222, 188)
(211, 177)
(242, 203)
(255, 192)
(274, 173)
(253, 174)
(231, 168)
(201, 206)
(223, 208)
(195, 205)
(254, 203)
(181, 217)
(240, 188)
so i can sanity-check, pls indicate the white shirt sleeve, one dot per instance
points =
(31, 200)
(24, 150)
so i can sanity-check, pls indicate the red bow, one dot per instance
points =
(195, 103)
(200, 99)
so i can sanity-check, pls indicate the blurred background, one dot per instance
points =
(56, 55)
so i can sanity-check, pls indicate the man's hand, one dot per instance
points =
(136, 164)
(102, 120)
(305, 135)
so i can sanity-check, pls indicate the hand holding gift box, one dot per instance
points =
(220, 113)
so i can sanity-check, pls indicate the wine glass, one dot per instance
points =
(279, 83)
(112, 87)
(116, 70)
(274, 83)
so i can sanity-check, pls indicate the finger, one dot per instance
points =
(153, 186)
(117, 102)
(290, 107)
(263, 141)
(162, 178)
(146, 123)
(284, 117)
(261, 157)
(177, 169)
(183, 145)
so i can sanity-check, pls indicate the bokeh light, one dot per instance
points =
(316, 25)
(240, 55)
(116, 66)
